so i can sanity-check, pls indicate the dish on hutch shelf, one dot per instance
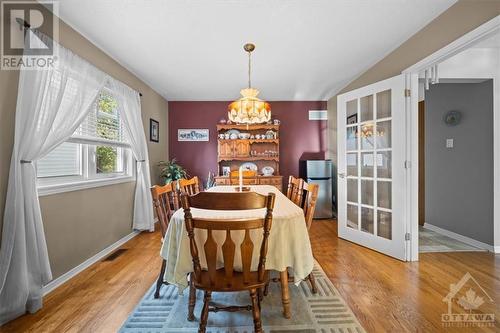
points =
(233, 134)
(249, 166)
(244, 136)
(267, 171)
(270, 135)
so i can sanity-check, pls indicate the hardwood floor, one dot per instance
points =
(385, 294)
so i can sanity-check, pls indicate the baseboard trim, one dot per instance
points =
(90, 261)
(464, 239)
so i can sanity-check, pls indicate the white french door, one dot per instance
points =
(371, 166)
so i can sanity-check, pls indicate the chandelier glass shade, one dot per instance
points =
(249, 109)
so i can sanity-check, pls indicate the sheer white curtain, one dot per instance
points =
(51, 104)
(129, 107)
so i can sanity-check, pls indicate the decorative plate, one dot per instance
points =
(267, 171)
(233, 134)
(270, 135)
(249, 166)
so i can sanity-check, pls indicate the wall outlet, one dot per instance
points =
(449, 143)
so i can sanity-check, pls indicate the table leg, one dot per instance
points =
(285, 295)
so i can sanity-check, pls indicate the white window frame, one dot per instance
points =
(89, 178)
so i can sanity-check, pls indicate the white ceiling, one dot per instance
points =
(193, 50)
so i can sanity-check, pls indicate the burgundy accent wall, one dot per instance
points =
(298, 135)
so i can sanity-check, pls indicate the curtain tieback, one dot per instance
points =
(25, 162)
(138, 161)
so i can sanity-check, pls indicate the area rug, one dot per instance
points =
(324, 312)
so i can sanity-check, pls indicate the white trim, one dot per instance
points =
(458, 237)
(457, 45)
(87, 263)
(44, 190)
(460, 44)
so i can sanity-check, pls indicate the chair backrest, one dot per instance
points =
(295, 190)
(310, 197)
(249, 177)
(165, 202)
(228, 201)
(189, 186)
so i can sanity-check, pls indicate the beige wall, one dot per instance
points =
(80, 224)
(462, 17)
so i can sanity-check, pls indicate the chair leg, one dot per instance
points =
(192, 299)
(266, 288)
(312, 280)
(159, 282)
(256, 311)
(204, 312)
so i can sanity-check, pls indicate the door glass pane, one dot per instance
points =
(366, 108)
(352, 164)
(384, 134)
(352, 216)
(384, 224)
(352, 138)
(367, 164)
(367, 192)
(384, 168)
(367, 136)
(352, 112)
(384, 196)
(352, 190)
(367, 219)
(384, 104)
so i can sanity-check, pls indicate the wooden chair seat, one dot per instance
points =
(236, 283)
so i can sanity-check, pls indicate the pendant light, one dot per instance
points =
(249, 109)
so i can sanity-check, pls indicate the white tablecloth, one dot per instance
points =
(289, 244)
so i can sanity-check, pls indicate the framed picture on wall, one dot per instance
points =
(192, 134)
(154, 130)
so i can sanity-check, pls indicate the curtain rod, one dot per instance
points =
(25, 25)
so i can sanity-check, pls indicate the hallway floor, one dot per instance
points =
(431, 241)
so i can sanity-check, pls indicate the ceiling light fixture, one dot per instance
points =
(249, 109)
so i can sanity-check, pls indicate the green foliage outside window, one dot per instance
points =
(108, 127)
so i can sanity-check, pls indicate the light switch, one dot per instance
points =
(449, 143)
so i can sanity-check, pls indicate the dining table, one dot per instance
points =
(289, 244)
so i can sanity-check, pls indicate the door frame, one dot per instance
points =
(411, 73)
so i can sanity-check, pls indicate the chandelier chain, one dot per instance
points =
(249, 69)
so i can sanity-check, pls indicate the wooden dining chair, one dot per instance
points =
(189, 186)
(165, 203)
(305, 196)
(249, 177)
(226, 278)
(294, 191)
(310, 193)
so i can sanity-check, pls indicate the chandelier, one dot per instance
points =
(249, 109)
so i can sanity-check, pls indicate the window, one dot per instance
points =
(97, 153)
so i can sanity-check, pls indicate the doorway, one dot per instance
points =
(468, 65)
